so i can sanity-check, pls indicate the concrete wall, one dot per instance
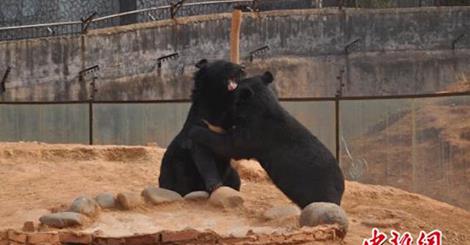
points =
(400, 51)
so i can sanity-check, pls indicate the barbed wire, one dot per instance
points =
(93, 22)
(170, 10)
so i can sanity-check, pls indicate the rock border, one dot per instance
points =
(312, 234)
(84, 209)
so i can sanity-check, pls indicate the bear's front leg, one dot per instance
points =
(206, 165)
(220, 144)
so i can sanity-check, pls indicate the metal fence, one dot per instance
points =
(185, 8)
(419, 143)
(146, 121)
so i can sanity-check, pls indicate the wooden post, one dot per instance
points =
(235, 36)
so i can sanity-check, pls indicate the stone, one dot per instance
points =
(86, 206)
(226, 197)
(109, 241)
(159, 195)
(43, 227)
(149, 239)
(75, 238)
(60, 208)
(129, 200)
(106, 200)
(17, 236)
(320, 213)
(43, 238)
(63, 219)
(283, 212)
(197, 195)
(178, 236)
(3, 235)
(29, 226)
(239, 231)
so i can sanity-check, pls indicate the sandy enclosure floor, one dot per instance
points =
(37, 178)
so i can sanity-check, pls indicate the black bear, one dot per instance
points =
(188, 167)
(296, 161)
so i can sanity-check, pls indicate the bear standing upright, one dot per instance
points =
(296, 161)
(188, 167)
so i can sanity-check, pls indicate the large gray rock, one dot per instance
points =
(197, 195)
(129, 200)
(283, 212)
(320, 213)
(86, 206)
(159, 195)
(63, 219)
(106, 200)
(226, 197)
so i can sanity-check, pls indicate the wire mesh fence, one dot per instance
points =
(420, 143)
(416, 144)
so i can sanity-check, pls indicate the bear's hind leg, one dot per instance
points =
(232, 179)
(176, 177)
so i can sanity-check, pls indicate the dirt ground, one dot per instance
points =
(36, 178)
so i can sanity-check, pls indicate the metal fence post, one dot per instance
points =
(90, 121)
(175, 7)
(257, 52)
(456, 40)
(337, 138)
(339, 94)
(164, 58)
(81, 78)
(86, 22)
(4, 80)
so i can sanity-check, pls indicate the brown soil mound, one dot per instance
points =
(462, 85)
(37, 178)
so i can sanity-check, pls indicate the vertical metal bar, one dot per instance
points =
(339, 94)
(414, 169)
(337, 140)
(90, 121)
(4, 80)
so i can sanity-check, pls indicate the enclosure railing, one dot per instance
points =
(415, 142)
(17, 117)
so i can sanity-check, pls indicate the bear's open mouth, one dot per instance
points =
(232, 85)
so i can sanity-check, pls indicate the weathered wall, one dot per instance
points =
(399, 51)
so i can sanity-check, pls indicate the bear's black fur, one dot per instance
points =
(297, 162)
(186, 166)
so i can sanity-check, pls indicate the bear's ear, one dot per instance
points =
(202, 63)
(267, 77)
(245, 93)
